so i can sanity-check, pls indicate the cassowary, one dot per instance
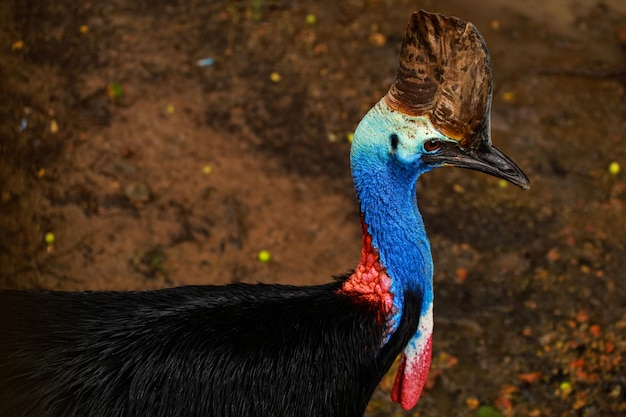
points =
(278, 350)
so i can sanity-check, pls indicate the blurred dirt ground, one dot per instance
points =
(146, 144)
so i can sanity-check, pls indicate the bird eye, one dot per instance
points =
(432, 145)
(394, 141)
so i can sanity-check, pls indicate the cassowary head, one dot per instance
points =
(436, 113)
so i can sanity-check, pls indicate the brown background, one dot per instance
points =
(530, 286)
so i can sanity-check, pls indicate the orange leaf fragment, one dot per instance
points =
(587, 377)
(461, 275)
(529, 377)
(579, 403)
(553, 255)
(507, 390)
(582, 316)
(595, 330)
(578, 363)
(503, 403)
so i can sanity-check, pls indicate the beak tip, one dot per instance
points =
(521, 180)
(525, 186)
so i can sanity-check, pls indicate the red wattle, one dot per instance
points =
(395, 391)
(370, 281)
(411, 376)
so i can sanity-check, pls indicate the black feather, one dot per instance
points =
(238, 350)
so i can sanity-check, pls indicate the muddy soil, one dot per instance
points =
(147, 144)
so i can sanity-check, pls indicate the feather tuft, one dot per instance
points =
(445, 74)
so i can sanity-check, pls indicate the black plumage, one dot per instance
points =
(237, 350)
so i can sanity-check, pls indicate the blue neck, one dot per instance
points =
(386, 192)
(390, 211)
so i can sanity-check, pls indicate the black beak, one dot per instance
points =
(485, 158)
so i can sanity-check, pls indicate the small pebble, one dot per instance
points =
(377, 39)
(205, 62)
(472, 403)
(458, 188)
(137, 192)
(264, 256)
(508, 96)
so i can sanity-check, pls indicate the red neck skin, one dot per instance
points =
(371, 284)
(370, 280)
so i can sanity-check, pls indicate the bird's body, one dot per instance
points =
(236, 350)
(270, 350)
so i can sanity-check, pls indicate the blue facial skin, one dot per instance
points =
(386, 162)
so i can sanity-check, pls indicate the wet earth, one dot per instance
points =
(146, 144)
